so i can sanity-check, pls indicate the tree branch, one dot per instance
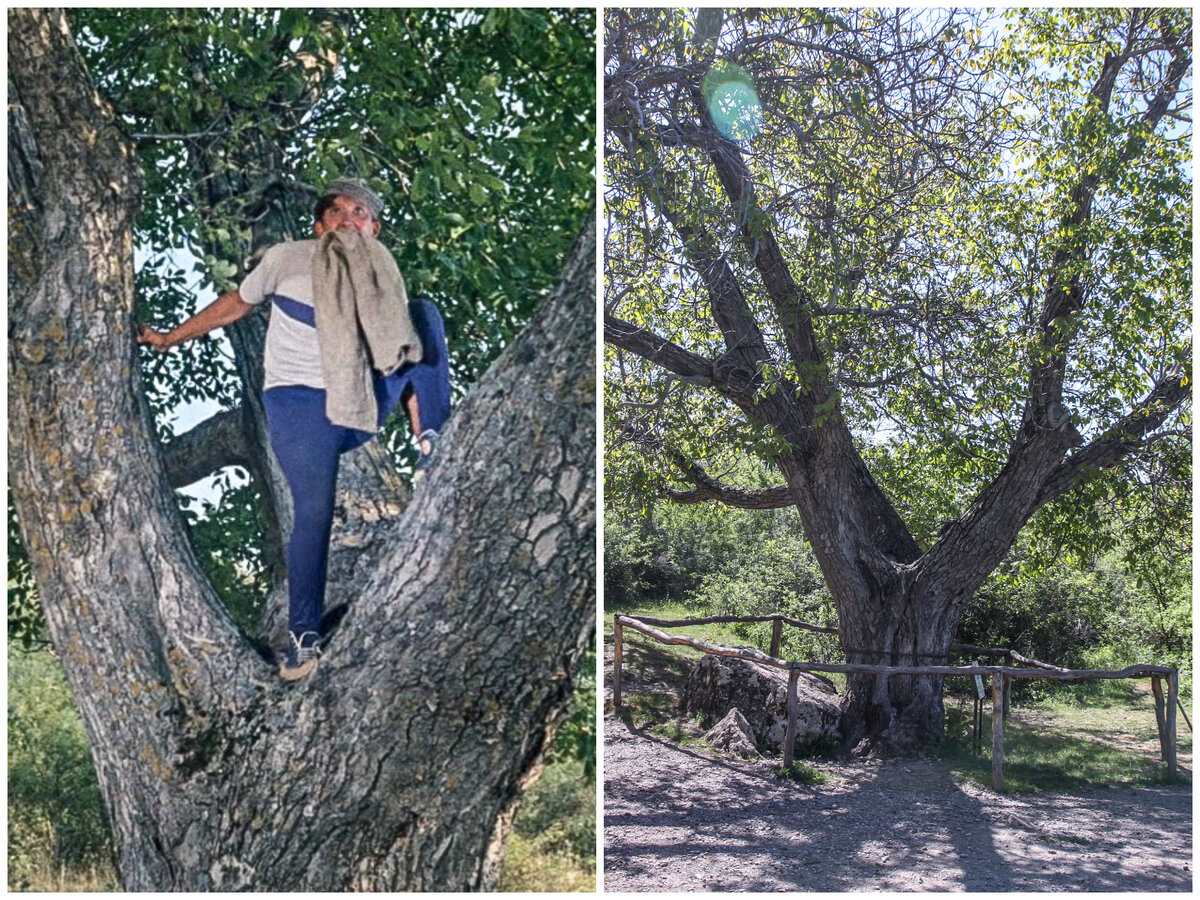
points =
(1133, 432)
(216, 442)
(687, 365)
(791, 302)
(1064, 284)
(709, 488)
(744, 341)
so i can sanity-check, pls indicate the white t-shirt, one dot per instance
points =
(292, 354)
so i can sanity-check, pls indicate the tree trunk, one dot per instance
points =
(896, 714)
(770, 345)
(396, 766)
(897, 604)
(886, 615)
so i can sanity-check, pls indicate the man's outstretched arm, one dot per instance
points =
(227, 308)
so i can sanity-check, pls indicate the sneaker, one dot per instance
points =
(427, 443)
(301, 656)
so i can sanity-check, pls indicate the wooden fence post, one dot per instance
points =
(1172, 705)
(616, 662)
(998, 732)
(789, 740)
(1160, 713)
(776, 637)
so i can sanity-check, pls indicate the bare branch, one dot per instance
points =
(687, 365)
(216, 442)
(709, 488)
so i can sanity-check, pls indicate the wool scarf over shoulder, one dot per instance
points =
(363, 324)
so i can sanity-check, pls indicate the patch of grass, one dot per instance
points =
(553, 845)
(640, 710)
(528, 868)
(654, 676)
(682, 731)
(801, 773)
(1059, 743)
(58, 837)
(43, 877)
(656, 713)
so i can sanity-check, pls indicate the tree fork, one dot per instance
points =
(398, 763)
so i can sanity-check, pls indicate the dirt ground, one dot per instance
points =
(677, 819)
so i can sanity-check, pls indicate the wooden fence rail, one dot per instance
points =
(1002, 678)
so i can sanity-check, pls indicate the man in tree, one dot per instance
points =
(395, 766)
(309, 428)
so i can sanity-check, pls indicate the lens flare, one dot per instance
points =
(733, 102)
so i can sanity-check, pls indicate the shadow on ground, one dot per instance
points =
(680, 819)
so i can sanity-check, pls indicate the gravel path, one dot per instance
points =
(677, 819)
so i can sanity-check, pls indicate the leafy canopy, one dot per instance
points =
(476, 127)
(917, 170)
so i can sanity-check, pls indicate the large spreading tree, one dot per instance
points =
(933, 268)
(468, 603)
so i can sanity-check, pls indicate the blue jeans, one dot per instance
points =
(308, 447)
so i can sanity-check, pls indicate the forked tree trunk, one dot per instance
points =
(887, 614)
(396, 766)
(898, 605)
(897, 602)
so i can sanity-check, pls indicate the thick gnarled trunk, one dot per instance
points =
(896, 713)
(870, 561)
(394, 767)
(897, 604)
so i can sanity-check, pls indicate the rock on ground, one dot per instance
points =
(732, 734)
(718, 684)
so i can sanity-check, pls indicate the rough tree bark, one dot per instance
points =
(397, 765)
(898, 603)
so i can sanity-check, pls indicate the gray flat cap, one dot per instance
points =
(356, 190)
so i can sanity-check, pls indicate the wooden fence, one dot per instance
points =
(1002, 676)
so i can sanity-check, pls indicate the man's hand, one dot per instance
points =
(156, 339)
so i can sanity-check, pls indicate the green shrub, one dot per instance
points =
(25, 624)
(57, 830)
(1105, 613)
(638, 567)
(718, 561)
(801, 773)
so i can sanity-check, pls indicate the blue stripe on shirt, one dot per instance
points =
(294, 309)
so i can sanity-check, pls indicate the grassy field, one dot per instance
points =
(57, 834)
(1067, 740)
(1059, 736)
(58, 838)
